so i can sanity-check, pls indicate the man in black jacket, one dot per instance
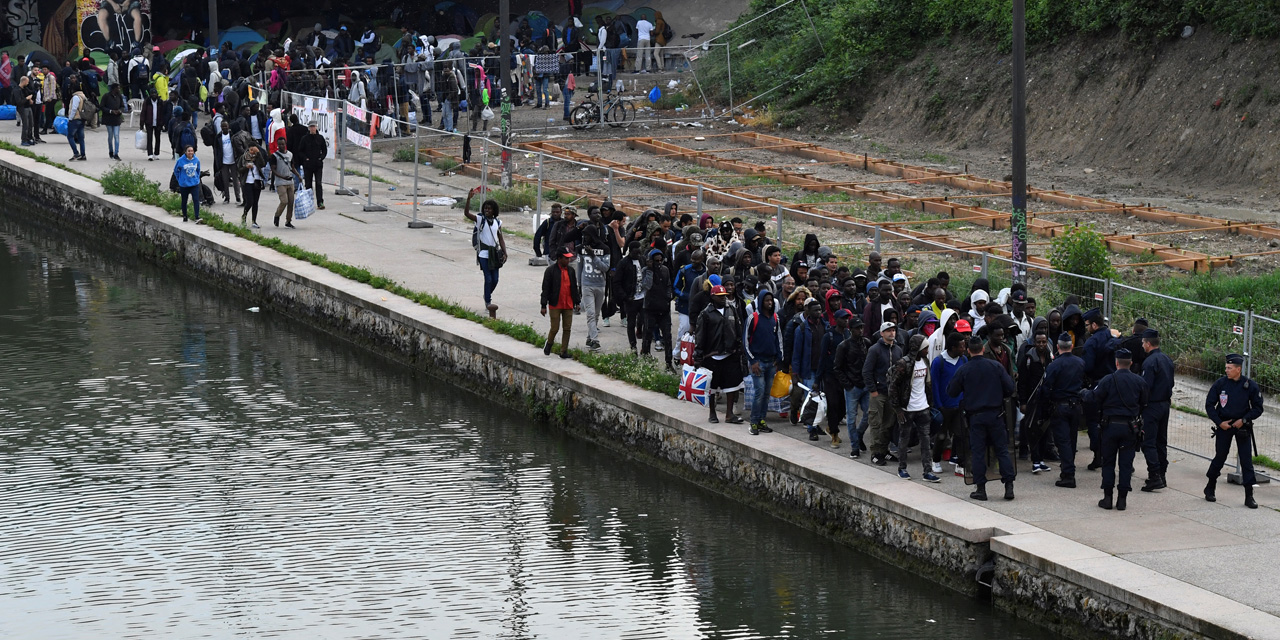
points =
(657, 305)
(630, 295)
(850, 356)
(542, 238)
(719, 348)
(836, 335)
(560, 293)
(985, 384)
(875, 373)
(312, 150)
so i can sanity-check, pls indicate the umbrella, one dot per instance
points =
(240, 35)
(645, 13)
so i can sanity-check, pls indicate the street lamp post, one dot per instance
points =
(1018, 223)
(504, 80)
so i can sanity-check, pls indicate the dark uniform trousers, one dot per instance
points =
(1155, 444)
(988, 428)
(1118, 441)
(1065, 423)
(1222, 448)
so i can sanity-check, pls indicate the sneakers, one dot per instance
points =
(1039, 467)
(959, 471)
(755, 428)
(891, 457)
(254, 226)
(813, 436)
(593, 345)
(879, 461)
(764, 428)
(929, 477)
(289, 225)
(546, 348)
(902, 473)
(604, 322)
(937, 467)
(854, 454)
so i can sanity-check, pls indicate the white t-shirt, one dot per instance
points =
(228, 156)
(487, 234)
(254, 175)
(644, 27)
(919, 401)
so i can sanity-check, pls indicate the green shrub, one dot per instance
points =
(403, 154)
(445, 164)
(1082, 251)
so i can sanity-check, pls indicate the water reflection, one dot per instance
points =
(173, 466)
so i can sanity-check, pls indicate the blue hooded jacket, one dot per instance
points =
(762, 335)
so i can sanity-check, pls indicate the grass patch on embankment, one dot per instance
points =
(865, 39)
(125, 180)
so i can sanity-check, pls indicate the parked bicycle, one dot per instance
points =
(616, 112)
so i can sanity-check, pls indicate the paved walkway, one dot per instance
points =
(1220, 547)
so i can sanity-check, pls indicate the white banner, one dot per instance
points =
(362, 141)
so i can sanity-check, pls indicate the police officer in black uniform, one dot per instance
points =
(1120, 397)
(1063, 387)
(1233, 404)
(983, 404)
(1157, 370)
(1099, 358)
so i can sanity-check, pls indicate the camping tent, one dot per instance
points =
(460, 18)
(646, 13)
(487, 23)
(166, 46)
(538, 21)
(240, 35)
(589, 17)
(24, 48)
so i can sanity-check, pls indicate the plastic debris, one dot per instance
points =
(253, 309)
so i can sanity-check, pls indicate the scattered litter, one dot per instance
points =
(1088, 170)
(439, 201)
(253, 309)
(931, 621)
(699, 138)
(391, 188)
(673, 84)
(444, 231)
(586, 168)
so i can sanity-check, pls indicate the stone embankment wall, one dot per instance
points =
(1066, 586)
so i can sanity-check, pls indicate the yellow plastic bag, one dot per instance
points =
(781, 385)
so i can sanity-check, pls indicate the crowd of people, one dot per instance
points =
(968, 379)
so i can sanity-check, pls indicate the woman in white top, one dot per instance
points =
(491, 247)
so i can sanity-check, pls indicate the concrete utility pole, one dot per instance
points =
(1018, 224)
(213, 24)
(504, 80)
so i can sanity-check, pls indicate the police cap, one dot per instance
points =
(1064, 338)
(1093, 315)
(1150, 334)
(1124, 354)
(1235, 358)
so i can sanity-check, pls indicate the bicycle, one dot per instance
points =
(618, 113)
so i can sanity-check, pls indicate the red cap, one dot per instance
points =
(963, 326)
(718, 290)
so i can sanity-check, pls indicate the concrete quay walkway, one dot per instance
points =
(1176, 548)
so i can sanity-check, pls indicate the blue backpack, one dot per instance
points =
(186, 138)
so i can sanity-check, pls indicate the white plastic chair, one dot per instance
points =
(135, 109)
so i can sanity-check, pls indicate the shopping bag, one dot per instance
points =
(686, 348)
(8, 112)
(304, 204)
(140, 139)
(781, 385)
(749, 391)
(814, 409)
(60, 125)
(694, 382)
(780, 406)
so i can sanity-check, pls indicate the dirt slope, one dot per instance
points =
(1191, 122)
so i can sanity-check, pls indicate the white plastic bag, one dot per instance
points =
(140, 139)
(814, 409)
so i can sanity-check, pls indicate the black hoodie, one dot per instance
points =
(809, 253)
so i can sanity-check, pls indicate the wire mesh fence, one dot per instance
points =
(1264, 368)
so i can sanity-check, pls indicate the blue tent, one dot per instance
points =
(238, 36)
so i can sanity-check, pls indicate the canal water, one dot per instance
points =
(173, 465)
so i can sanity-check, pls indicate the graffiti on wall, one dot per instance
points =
(114, 25)
(22, 20)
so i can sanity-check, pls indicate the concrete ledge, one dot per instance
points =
(1068, 586)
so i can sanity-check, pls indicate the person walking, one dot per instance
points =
(283, 177)
(75, 120)
(112, 115)
(806, 350)
(762, 345)
(187, 171)
(595, 277)
(875, 373)
(312, 151)
(1232, 404)
(560, 293)
(836, 334)
(631, 292)
(954, 434)
(226, 154)
(253, 167)
(657, 305)
(985, 384)
(155, 117)
(850, 356)
(1157, 370)
(718, 347)
(491, 246)
(1120, 396)
(910, 398)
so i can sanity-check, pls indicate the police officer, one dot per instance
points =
(1099, 362)
(1063, 387)
(1234, 402)
(983, 402)
(1120, 397)
(1157, 370)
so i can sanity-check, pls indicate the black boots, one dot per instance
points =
(1096, 463)
(1105, 502)
(1209, 490)
(980, 494)
(1154, 481)
(1120, 501)
(1066, 483)
(1248, 498)
(1008, 491)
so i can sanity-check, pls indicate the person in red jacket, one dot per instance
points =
(560, 293)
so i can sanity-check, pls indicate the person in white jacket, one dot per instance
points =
(938, 341)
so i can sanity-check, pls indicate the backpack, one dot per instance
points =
(140, 73)
(207, 134)
(667, 34)
(186, 138)
(624, 40)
